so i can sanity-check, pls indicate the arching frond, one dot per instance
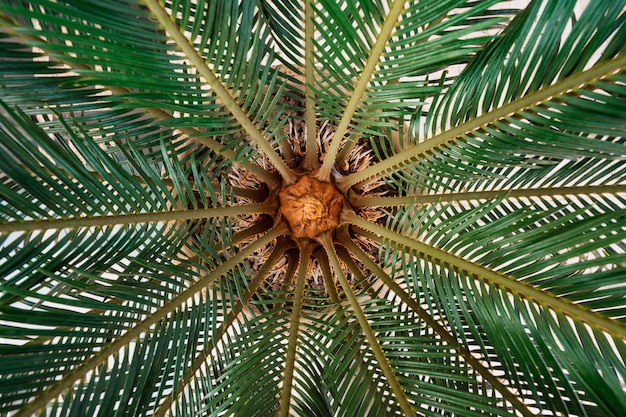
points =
(468, 297)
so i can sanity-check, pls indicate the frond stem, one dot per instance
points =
(124, 219)
(482, 273)
(311, 161)
(434, 324)
(358, 201)
(168, 308)
(227, 99)
(327, 275)
(346, 258)
(294, 327)
(326, 240)
(290, 273)
(285, 149)
(403, 158)
(359, 90)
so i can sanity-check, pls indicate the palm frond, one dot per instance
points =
(440, 333)
(285, 18)
(221, 92)
(405, 76)
(542, 57)
(548, 118)
(382, 361)
(345, 370)
(169, 305)
(469, 299)
(111, 56)
(569, 246)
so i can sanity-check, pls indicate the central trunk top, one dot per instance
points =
(310, 207)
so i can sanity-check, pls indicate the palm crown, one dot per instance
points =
(318, 208)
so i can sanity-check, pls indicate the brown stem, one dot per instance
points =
(327, 275)
(290, 273)
(294, 328)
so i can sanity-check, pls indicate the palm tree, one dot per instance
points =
(318, 208)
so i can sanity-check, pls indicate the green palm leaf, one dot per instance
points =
(317, 208)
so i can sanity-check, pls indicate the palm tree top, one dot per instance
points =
(316, 208)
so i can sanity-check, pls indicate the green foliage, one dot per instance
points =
(479, 265)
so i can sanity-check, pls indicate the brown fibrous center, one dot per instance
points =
(310, 207)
